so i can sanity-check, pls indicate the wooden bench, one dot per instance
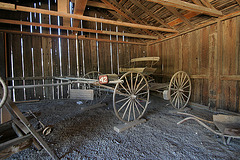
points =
(144, 70)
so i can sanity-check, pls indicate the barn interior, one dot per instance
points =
(66, 63)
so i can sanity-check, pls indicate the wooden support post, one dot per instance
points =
(63, 7)
(219, 61)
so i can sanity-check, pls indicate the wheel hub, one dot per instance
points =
(133, 96)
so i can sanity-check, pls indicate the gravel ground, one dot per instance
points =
(90, 134)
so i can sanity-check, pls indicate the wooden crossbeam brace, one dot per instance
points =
(79, 9)
(12, 7)
(238, 1)
(122, 13)
(67, 37)
(99, 5)
(189, 6)
(135, 2)
(76, 29)
(180, 16)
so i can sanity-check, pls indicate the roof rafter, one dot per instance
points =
(189, 6)
(180, 16)
(207, 4)
(135, 2)
(123, 14)
(79, 9)
(135, 17)
(98, 5)
(13, 7)
(238, 1)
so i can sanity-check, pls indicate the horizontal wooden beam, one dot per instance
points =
(230, 77)
(189, 6)
(238, 1)
(98, 5)
(187, 15)
(68, 37)
(86, 18)
(231, 15)
(76, 29)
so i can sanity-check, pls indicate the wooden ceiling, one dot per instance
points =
(180, 15)
(146, 19)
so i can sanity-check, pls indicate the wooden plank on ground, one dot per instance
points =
(126, 126)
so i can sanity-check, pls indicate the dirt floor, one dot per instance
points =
(90, 134)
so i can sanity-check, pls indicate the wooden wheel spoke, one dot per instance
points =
(141, 88)
(174, 97)
(186, 87)
(129, 113)
(141, 93)
(185, 95)
(175, 83)
(128, 84)
(142, 99)
(137, 108)
(123, 105)
(176, 100)
(134, 88)
(173, 93)
(174, 89)
(140, 104)
(132, 82)
(134, 115)
(122, 100)
(183, 100)
(124, 88)
(139, 84)
(126, 110)
(185, 82)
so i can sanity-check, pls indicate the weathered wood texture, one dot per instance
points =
(211, 56)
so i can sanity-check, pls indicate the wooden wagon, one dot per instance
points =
(131, 91)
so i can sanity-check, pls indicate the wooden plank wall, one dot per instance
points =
(40, 65)
(211, 56)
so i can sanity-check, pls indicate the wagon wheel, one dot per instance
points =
(131, 98)
(3, 93)
(180, 90)
(99, 93)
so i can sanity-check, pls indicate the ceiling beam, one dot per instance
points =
(79, 8)
(63, 6)
(180, 16)
(197, 2)
(188, 6)
(68, 37)
(146, 10)
(178, 20)
(207, 4)
(238, 1)
(133, 16)
(98, 5)
(25, 23)
(122, 13)
(87, 18)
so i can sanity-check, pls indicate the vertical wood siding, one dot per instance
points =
(211, 56)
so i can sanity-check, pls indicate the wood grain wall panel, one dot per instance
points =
(197, 53)
(28, 71)
(73, 63)
(17, 64)
(2, 56)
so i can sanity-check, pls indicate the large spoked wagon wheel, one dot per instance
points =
(131, 97)
(3, 93)
(180, 90)
(99, 93)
